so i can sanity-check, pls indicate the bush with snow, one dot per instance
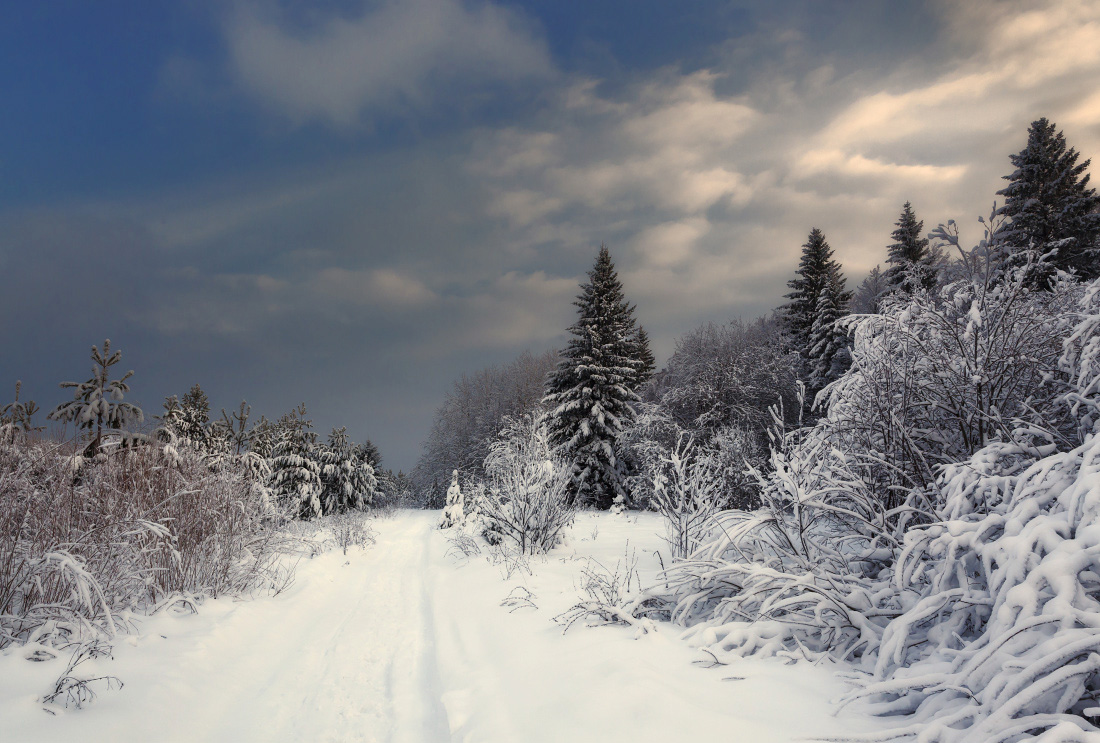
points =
(939, 527)
(528, 491)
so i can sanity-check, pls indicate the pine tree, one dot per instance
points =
(814, 271)
(589, 395)
(98, 403)
(295, 474)
(829, 357)
(912, 262)
(1049, 206)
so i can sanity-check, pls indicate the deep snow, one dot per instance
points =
(405, 641)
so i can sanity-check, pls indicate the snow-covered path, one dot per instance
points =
(399, 643)
(355, 663)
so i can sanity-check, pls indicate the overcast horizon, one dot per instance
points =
(351, 204)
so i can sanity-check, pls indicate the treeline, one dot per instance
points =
(286, 462)
(717, 391)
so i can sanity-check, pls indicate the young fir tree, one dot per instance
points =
(911, 261)
(815, 270)
(588, 397)
(194, 418)
(868, 296)
(98, 403)
(347, 481)
(18, 416)
(369, 454)
(295, 473)
(829, 357)
(647, 363)
(453, 512)
(1049, 206)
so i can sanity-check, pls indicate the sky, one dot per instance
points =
(350, 204)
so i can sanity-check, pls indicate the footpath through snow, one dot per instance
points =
(404, 642)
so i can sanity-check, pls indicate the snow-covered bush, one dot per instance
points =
(799, 569)
(957, 570)
(685, 493)
(528, 499)
(145, 525)
(453, 512)
(937, 377)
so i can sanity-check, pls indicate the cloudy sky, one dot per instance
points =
(352, 203)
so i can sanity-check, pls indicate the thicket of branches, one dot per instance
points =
(471, 416)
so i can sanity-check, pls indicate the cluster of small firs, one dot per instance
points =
(901, 478)
(305, 476)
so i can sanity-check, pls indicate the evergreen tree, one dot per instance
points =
(911, 261)
(98, 403)
(18, 416)
(262, 437)
(346, 480)
(369, 453)
(194, 417)
(815, 270)
(1049, 206)
(828, 356)
(589, 395)
(868, 297)
(647, 363)
(453, 512)
(295, 474)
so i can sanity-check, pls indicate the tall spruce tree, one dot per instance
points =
(1049, 207)
(911, 261)
(814, 271)
(589, 395)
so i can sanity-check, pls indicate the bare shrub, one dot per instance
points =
(607, 598)
(685, 493)
(80, 544)
(351, 529)
(78, 690)
(528, 498)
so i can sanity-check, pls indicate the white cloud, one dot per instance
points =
(394, 56)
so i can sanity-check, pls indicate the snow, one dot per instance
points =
(408, 641)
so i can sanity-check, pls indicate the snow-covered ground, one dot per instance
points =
(405, 641)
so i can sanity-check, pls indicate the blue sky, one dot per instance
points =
(352, 203)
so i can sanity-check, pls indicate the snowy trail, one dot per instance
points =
(401, 643)
(346, 654)
(357, 666)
